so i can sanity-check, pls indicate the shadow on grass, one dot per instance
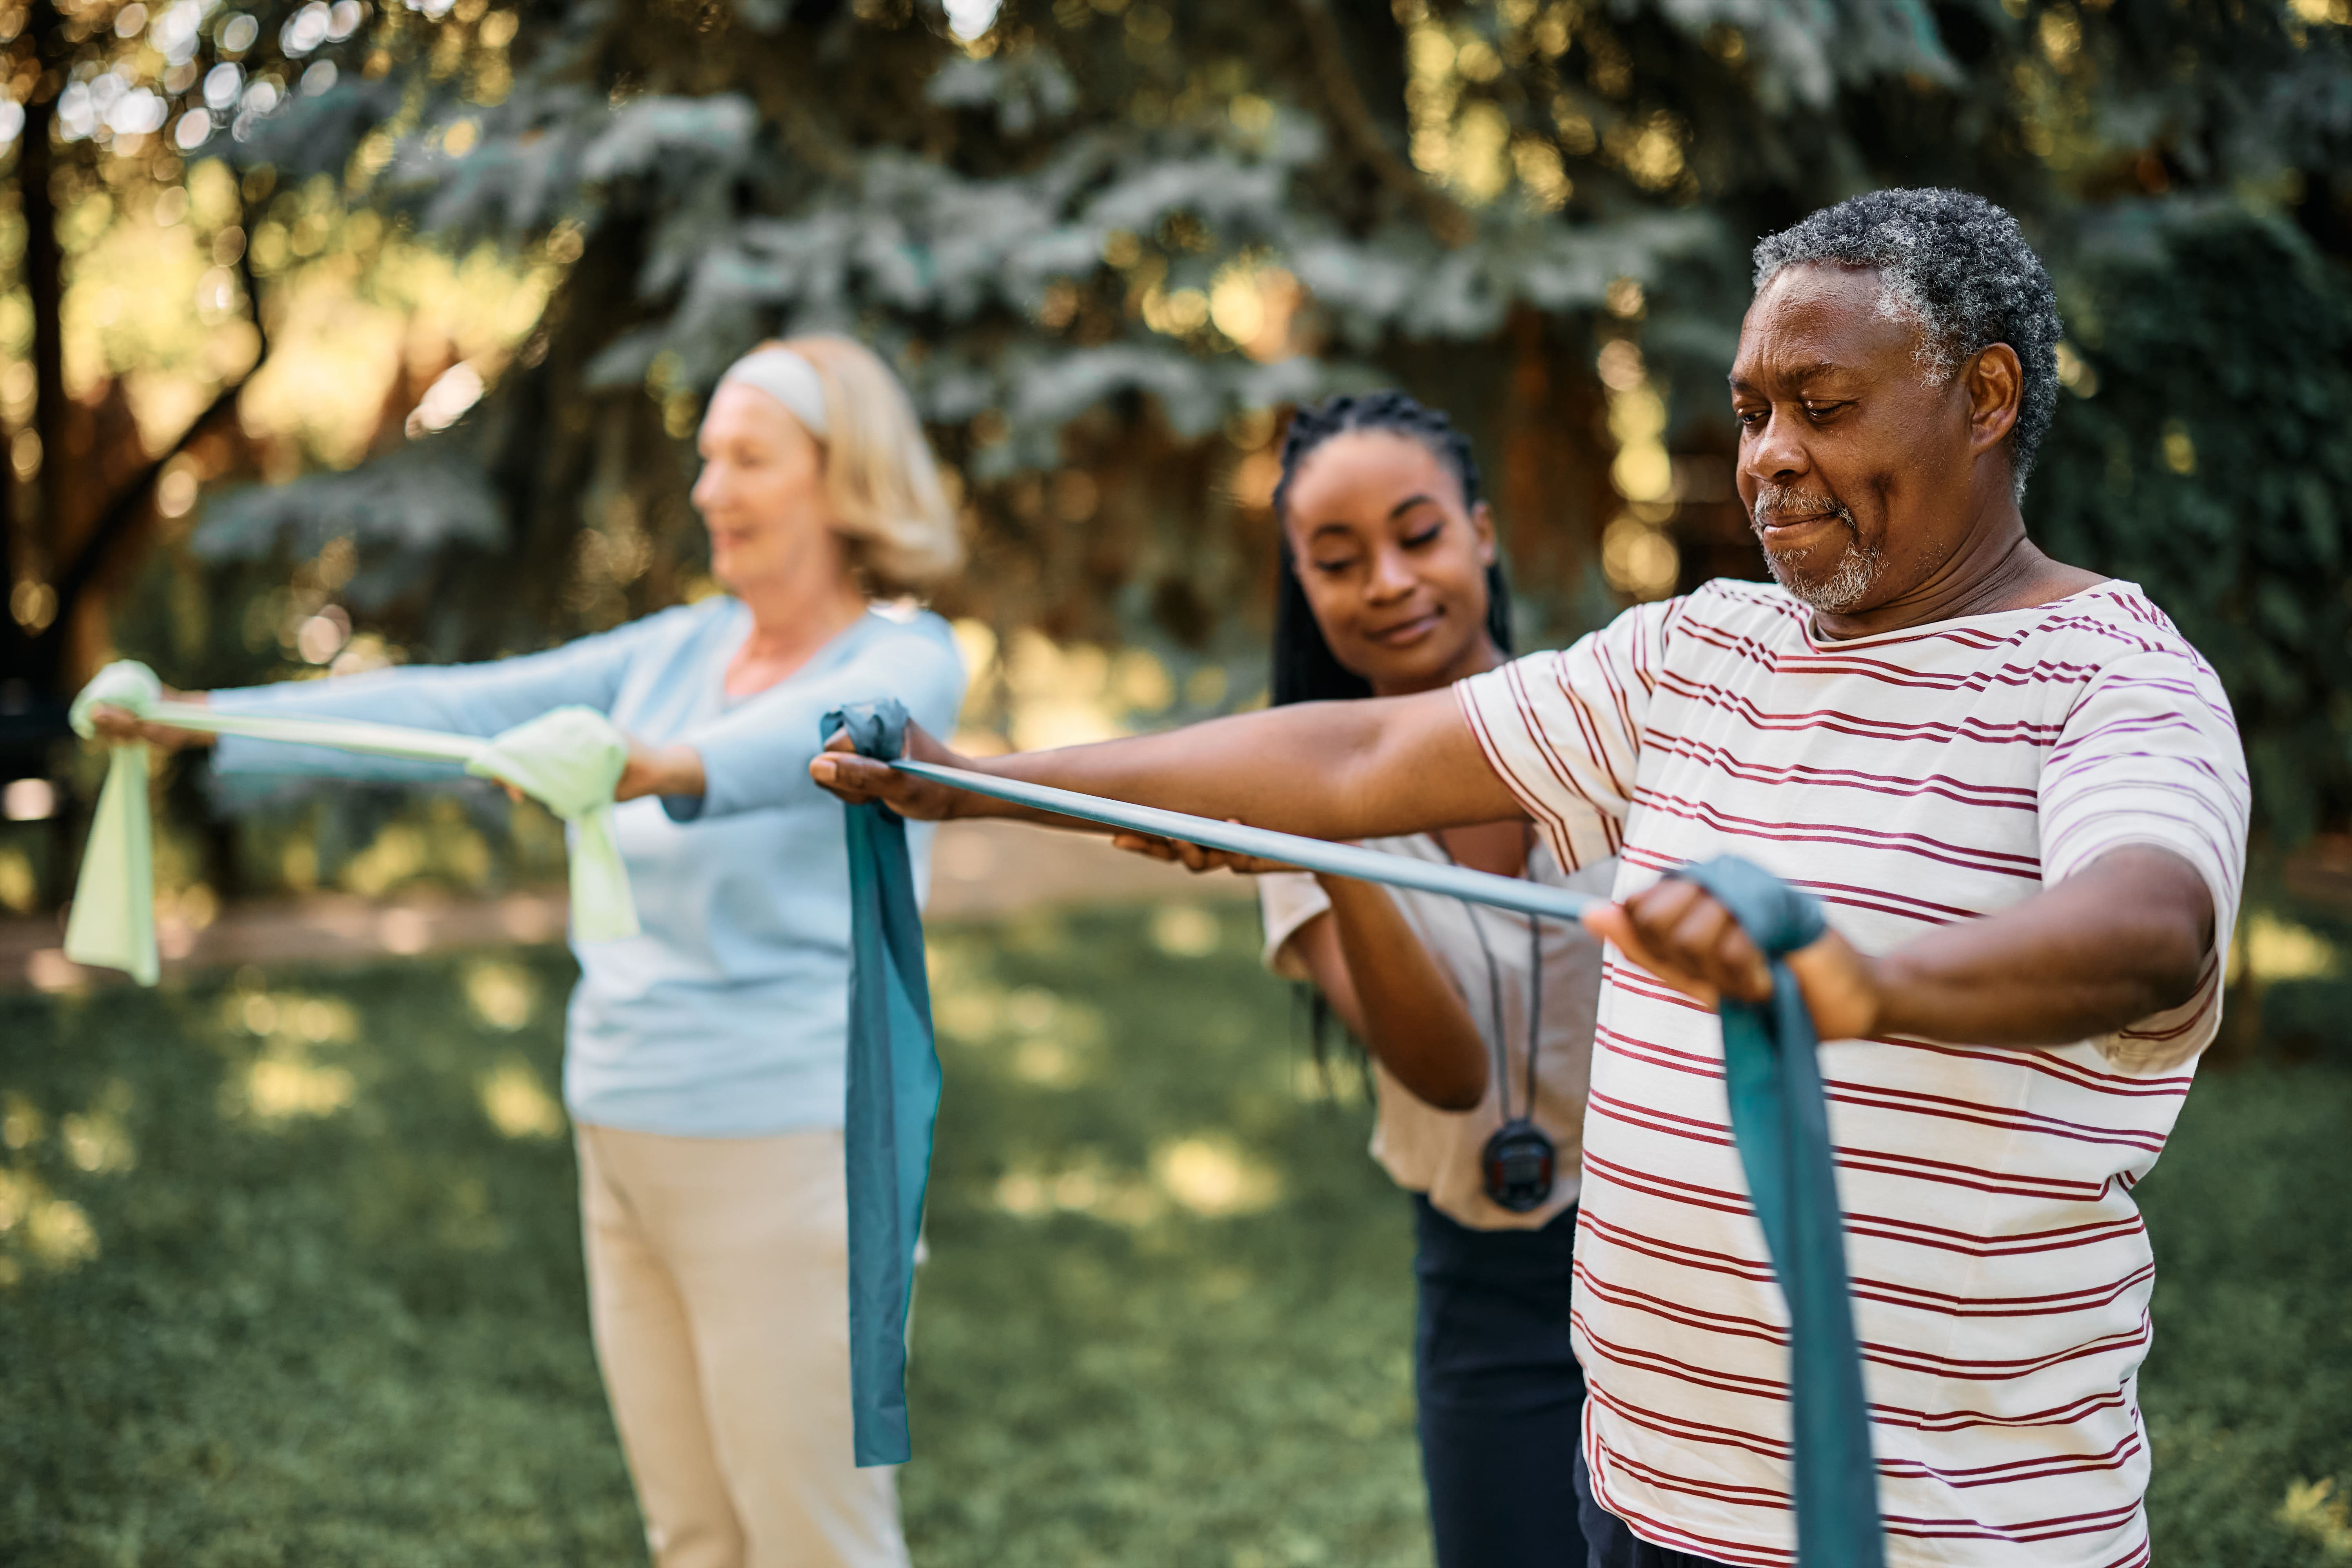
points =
(291, 1276)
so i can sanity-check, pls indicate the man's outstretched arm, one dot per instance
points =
(2127, 937)
(1370, 768)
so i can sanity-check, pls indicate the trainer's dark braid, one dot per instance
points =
(1318, 423)
(1305, 668)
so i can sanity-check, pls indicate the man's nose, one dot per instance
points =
(1776, 453)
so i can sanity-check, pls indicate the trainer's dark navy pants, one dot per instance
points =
(1502, 1398)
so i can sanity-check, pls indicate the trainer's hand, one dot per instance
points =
(120, 726)
(859, 780)
(1677, 931)
(1196, 857)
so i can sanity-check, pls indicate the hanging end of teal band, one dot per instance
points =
(1780, 1121)
(881, 1439)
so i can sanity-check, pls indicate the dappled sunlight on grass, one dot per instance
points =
(1211, 1177)
(502, 993)
(518, 1103)
(2316, 1509)
(1169, 1304)
(1184, 931)
(284, 1082)
(1167, 1318)
(296, 1338)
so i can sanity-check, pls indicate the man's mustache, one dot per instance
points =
(1774, 502)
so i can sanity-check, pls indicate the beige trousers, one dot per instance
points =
(719, 1293)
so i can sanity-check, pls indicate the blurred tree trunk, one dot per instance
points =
(77, 520)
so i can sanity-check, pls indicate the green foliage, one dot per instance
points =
(339, 1318)
(1102, 241)
(1107, 231)
(2211, 460)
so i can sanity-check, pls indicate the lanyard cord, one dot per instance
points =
(1494, 995)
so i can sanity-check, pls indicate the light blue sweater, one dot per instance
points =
(728, 1016)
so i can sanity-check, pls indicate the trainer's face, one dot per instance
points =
(1395, 565)
(1861, 474)
(761, 491)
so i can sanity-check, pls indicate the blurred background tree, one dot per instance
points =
(465, 275)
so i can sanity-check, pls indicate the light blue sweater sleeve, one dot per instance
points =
(756, 755)
(463, 699)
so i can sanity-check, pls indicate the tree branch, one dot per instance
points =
(44, 257)
(1359, 129)
(123, 510)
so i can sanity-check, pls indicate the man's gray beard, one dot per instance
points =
(1841, 589)
(1857, 568)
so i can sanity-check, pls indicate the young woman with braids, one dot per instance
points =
(1478, 1022)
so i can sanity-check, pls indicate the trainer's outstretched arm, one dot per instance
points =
(1370, 768)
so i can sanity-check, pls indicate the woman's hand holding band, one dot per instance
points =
(120, 726)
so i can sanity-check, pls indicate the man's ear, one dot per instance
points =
(1481, 525)
(1995, 382)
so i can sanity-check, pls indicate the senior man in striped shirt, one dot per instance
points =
(2021, 795)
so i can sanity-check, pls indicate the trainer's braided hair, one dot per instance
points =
(1305, 668)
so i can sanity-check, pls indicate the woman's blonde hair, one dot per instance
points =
(889, 507)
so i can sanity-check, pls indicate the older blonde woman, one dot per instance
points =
(705, 1067)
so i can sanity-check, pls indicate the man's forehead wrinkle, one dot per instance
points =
(1792, 374)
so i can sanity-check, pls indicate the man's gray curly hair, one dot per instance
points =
(1958, 266)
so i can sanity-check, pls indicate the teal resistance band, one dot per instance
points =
(894, 1098)
(1778, 1115)
(1312, 854)
(1781, 1122)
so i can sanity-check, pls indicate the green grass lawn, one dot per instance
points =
(288, 1273)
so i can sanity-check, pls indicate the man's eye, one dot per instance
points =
(1750, 418)
(1822, 410)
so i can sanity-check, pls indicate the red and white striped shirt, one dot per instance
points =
(2001, 1269)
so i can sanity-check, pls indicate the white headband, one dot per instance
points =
(789, 378)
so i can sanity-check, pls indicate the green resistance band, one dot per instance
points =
(1779, 1116)
(569, 759)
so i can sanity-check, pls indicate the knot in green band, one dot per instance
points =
(126, 684)
(568, 758)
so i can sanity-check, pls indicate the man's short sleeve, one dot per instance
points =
(1564, 730)
(2150, 756)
